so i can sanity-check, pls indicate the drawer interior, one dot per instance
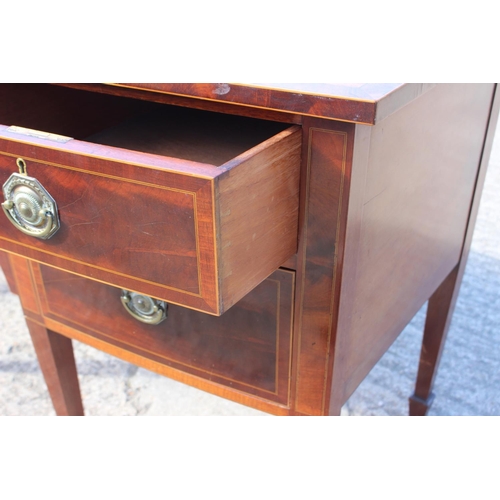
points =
(143, 126)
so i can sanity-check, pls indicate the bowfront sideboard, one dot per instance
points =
(263, 242)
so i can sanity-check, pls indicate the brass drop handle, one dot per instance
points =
(28, 205)
(143, 308)
(43, 234)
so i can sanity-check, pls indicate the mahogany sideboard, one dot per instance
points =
(265, 243)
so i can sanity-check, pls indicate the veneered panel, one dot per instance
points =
(173, 227)
(407, 221)
(248, 348)
(23, 279)
(138, 230)
(327, 154)
(8, 271)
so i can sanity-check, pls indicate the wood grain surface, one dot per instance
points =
(442, 302)
(326, 172)
(115, 217)
(8, 271)
(22, 276)
(192, 207)
(353, 102)
(411, 193)
(247, 349)
(57, 362)
(257, 214)
(373, 215)
(228, 108)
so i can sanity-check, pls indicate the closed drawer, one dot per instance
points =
(191, 207)
(247, 349)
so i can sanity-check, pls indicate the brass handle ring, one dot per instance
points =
(144, 308)
(44, 215)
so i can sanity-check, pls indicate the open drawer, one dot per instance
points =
(191, 207)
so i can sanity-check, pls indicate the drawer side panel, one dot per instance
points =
(258, 215)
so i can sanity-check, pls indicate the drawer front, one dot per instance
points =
(192, 233)
(135, 227)
(247, 349)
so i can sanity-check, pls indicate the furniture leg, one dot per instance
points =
(439, 313)
(56, 359)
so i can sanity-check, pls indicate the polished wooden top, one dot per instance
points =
(366, 103)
